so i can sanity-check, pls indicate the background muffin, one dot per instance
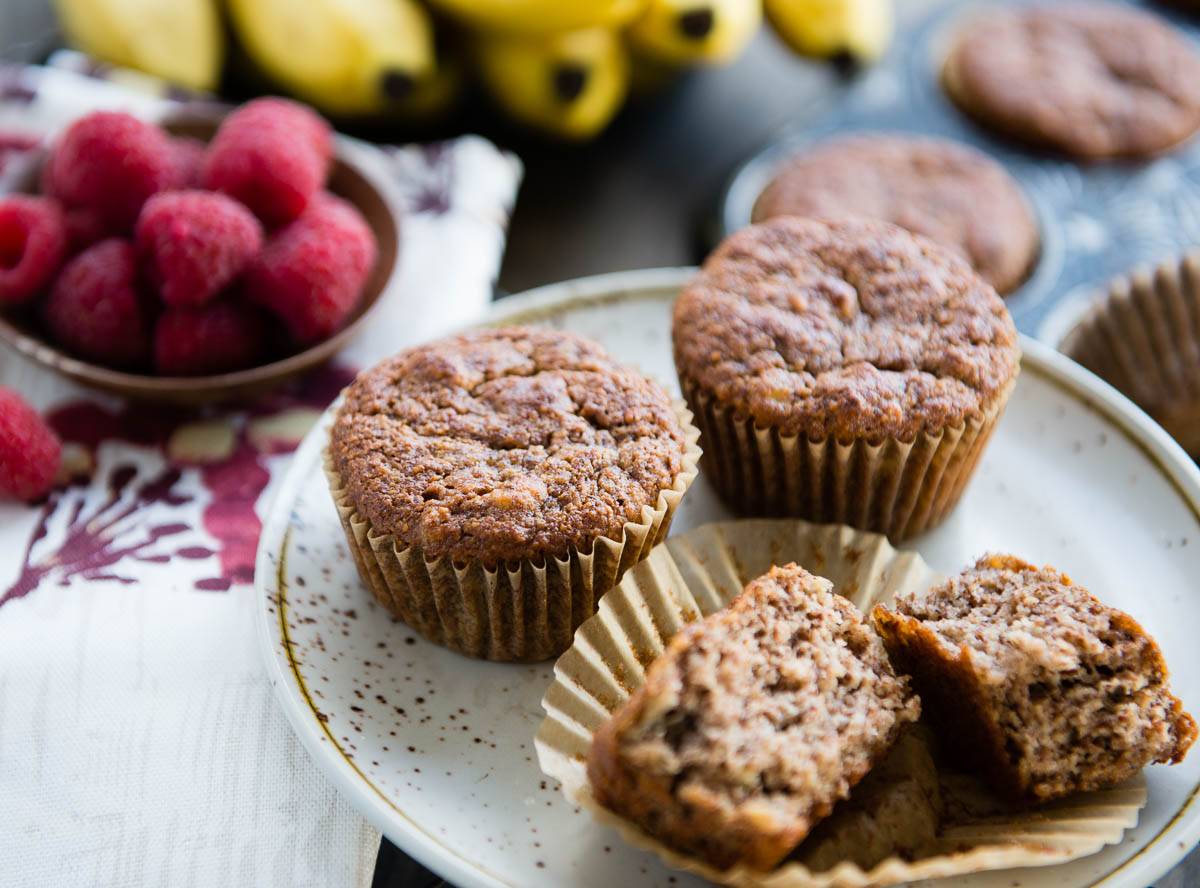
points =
(495, 484)
(930, 186)
(845, 371)
(1092, 80)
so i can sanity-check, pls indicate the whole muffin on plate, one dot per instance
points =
(933, 187)
(493, 485)
(846, 371)
(1089, 79)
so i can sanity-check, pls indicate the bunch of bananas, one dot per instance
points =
(560, 66)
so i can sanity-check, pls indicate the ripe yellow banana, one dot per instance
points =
(178, 40)
(541, 16)
(858, 29)
(569, 84)
(347, 57)
(437, 92)
(680, 32)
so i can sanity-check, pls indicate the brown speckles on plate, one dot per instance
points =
(478, 803)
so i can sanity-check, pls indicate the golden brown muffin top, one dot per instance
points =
(856, 329)
(505, 444)
(933, 187)
(1090, 79)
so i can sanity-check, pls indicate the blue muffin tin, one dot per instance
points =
(1096, 220)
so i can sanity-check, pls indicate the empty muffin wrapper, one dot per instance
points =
(526, 611)
(696, 574)
(1142, 335)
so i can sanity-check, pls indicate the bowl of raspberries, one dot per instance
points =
(195, 261)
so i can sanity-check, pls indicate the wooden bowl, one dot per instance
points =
(352, 177)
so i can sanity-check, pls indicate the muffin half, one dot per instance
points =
(494, 485)
(1033, 683)
(752, 724)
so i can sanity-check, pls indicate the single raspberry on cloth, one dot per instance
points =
(110, 162)
(311, 273)
(214, 338)
(29, 450)
(194, 243)
(33, 244)
(271, 154)
(96, 308)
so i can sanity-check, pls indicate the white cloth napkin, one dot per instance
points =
(140, 742)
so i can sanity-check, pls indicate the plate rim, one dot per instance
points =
(1160, 854)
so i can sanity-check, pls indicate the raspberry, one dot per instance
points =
(95, 309)
(84, 228)
(110, 162)
(194, 243)
(29, 450)
(312, 272)
(189, 159)
(271, 154)
(33, 244)
(214, 338)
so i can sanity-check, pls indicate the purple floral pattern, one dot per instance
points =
(153, 498)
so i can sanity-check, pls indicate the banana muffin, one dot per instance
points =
(494, 484)
(929, 186)
(895, 811)
(1092, 80)
(1033, 683)
(752, 724)
(845, 372)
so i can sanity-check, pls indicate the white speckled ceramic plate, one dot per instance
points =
(437, 750)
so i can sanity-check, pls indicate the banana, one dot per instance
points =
(569, 84)
(681, 32)
(347, 57)
(433, 95)
(541, 16)
(859, 30)
(178, 40)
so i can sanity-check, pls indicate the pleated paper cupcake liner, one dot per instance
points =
(696, 574)
(898, 488)
(1142, 335)
(521, 612)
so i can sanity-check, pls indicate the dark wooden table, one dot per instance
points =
(644, 194)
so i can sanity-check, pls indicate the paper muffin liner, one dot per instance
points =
(1142, 335)
(524, 611)
(898, 488)
(696, 574)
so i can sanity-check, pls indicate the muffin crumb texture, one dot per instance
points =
(504, 445)
(855, 329)
(752, 724)
(895, 811)
(1039, 686)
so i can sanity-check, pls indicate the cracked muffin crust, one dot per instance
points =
(1093, 80)
(854, 329)
(505, 444)
(753, 723)
(933, 187)
(1035, 684)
